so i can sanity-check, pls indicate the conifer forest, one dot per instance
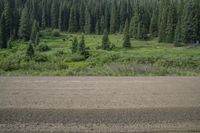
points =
(100, 37)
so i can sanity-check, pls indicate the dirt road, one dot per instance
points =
(99, 104)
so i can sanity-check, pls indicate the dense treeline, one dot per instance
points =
(172, 21)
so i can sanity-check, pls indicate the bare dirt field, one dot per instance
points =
(99, 104)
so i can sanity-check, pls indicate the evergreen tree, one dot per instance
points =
(54, 14)
(97, 28)
(74, 45)
(190, 22)
(126, 43)
(73, 24)
(30, 51)
(37, 39)
(123, 14)
(8, 19)
(135, 21)
(82, 45)
(154, 25)
(88, 25)
(102, 25)
(35, 30)
(171, 24)
(82, 17)
(113, 18)
(178, 38)
(24, 30)
(163, 20)
(105, 41)
(3, 36)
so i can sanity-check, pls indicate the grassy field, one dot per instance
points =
(145, 58)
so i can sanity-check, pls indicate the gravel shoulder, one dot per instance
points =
(99, 104)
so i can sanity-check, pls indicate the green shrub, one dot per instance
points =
(43, 47)
(40, 58)
(56, 33)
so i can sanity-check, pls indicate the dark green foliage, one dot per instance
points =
(34, 32)
(126, 43)
(88, 25)
(43, 47)
(9, 44)
(73, 24)
(148, 18)
(30, 51)
(105, 41)
(24, 30)
(8, 19)
(154, 25)
(56, 33)
(190, 22)
(81, 47)
(3, 36)
(40, 58)
(54, 14)
(75, 45)
(171, 24)
(114, 18)
(37, 39)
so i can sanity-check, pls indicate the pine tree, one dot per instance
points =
(35, 30)
(123, 14)
(54, 14)
(126, 43)
(135, 21)
(24, 30)
(171, 23)
(102, 25)
(88, 25)
(105, 41)
(113, 18)
(163, 20)
(82, 45)
(37, 39)
(44, 18)
(74, 45)
(7, 15)
(82, 17)
(190, 23)
(154, 25)
(3, 36)
(73, 24)
(178, 38)
(30, 51)
(97, 28)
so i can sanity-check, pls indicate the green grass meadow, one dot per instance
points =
(145, 58)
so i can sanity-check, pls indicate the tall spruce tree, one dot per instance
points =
(81, 47)
(24, 30)
(190, 22)
(126, 43)
(8, 18)
(54, 14)
(75, 45)
(154, 24)
(3, 36)
(88, 25)
(34, 31)
(135, 21)
(105, 41)
(171, 23)
(113, 18)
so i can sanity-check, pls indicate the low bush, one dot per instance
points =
(56, 33)
(43, 47)
(40, 58)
